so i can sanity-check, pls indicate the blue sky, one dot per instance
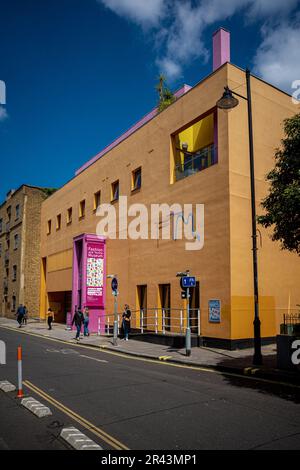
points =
(80, 72)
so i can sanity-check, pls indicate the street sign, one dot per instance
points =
(188, 281)
(114, 284)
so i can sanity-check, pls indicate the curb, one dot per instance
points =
(6, 386)
(273, 375)
(36, 407)
(78, 440)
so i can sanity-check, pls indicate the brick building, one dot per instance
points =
(20, 216)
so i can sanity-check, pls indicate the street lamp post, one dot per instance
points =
(228, 101)
(188, 328)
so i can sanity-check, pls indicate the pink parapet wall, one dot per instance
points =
(134, 128)
(89, 277)
(221, 48)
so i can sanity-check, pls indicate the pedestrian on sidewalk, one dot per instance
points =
(126, 317)
(78, 321)
(86, 320)
(25, 317)
(20, 314)
(50, 318)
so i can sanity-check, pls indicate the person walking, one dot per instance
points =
(20, 314)
(78, 321)
(126, 317)
(86, 320)
(50, 318)
(25, 317)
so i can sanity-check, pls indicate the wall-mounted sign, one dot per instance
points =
(94, 274)
(214, 311)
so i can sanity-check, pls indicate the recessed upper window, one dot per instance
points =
(17, 211)
(82, 209)
(49, 227)
(115, 191)
(14, 273)
(69, 215)
(16, 241)
(58, 222)
(136, 179)
(97, 200)
(194, 147)
(8, 211)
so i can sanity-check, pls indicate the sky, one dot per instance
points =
(75, 74)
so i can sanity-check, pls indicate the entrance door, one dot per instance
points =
(165, 302)
(142, 303)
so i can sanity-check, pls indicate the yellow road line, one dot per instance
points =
(114, 443)
(104, 350)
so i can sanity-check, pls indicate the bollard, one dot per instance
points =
(99, 326)
(20, 384)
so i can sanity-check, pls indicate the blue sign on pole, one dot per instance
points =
(188, 281)
(114, 284)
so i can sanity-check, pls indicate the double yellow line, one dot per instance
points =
(111, 441)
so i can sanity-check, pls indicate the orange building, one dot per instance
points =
(191, 153)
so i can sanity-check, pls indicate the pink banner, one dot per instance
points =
(94, 274)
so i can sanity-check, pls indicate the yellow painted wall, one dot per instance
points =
(278, 271)
(148, 261)
(224, 265)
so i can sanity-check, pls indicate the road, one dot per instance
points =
(129, 403)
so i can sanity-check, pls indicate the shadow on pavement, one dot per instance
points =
(281, 390)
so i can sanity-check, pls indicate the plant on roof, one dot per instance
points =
(166, 96)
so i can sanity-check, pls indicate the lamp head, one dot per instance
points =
(228, 101)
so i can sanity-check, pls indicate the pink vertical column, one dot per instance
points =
(221, 48)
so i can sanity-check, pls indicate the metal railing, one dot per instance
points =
(291, 318)
(291, 324)
(155, 320)
(195, 162)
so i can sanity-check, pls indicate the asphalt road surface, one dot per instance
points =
(129, 403)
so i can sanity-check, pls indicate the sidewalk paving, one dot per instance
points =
(238, 361)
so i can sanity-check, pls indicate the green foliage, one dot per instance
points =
(49, 191)
(282, 205)
(166, 97)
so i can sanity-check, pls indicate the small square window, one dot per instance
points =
(136, 179)
(82, 209)
(69, 215)
(115, 191)
(48, 227)
(58, 222)
(97, 200)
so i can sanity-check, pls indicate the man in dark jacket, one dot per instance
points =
(20, 314)
(78, 321)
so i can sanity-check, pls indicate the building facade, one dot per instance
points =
(191, 153)
(20, 220)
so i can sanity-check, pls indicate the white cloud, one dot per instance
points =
(3, 114)
(177, 29)
(277, 59)
(143, 12)
(169, 68)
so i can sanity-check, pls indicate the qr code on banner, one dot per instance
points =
(95, 272)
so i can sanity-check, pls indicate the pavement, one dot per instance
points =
(238, 361)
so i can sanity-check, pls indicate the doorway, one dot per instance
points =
(165, 304)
